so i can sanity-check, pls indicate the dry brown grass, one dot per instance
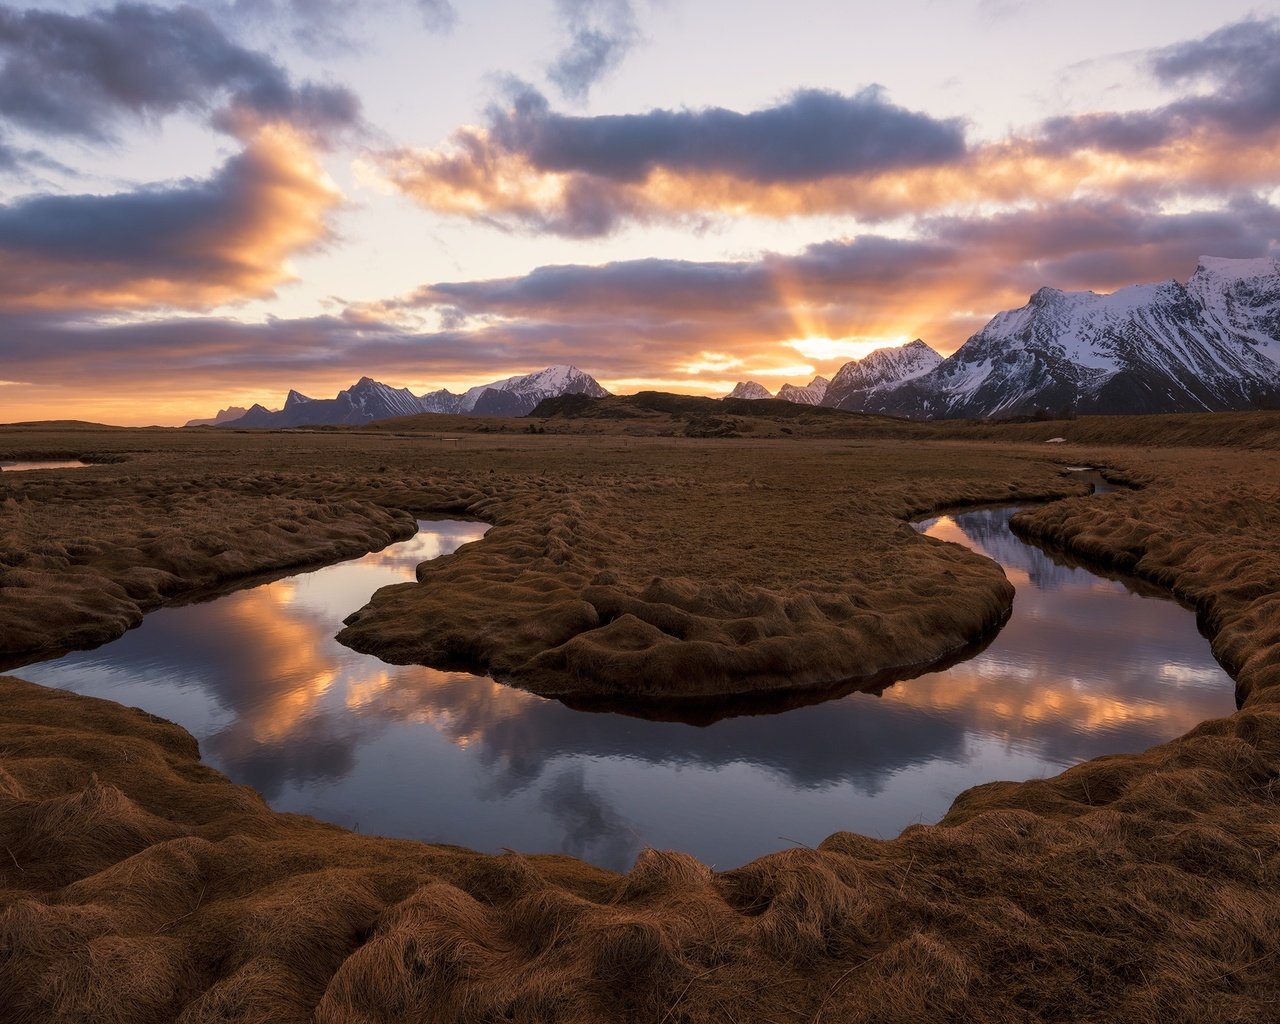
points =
(790, 566)
(141, 886)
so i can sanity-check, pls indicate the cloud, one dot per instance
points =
(531, 168)
(1240, 65)
(189, 245)
(601, 34)
(20, 160)
(80, 75)
(815, 134)
(645, 320)
(580, 176)
(588, 823)
(325, 26)
(1241, 62)
(438, 15)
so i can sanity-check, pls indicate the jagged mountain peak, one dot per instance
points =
(369, 399)
(749, 389)
(525, 391)
(857, 380)
(811, 394)
(1213, 343)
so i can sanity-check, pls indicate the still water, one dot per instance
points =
(16, 467)
(1085, 666)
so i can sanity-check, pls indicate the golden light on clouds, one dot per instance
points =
(826, 349)
(791, 370)
(224, 240)
(712, 362)
(476, 175)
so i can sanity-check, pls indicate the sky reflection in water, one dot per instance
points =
(1084, 667)
(19, 467)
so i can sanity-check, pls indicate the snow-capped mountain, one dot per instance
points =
(371, 400)
(1242, 298)
(858, 383)
(528, 390)
(443, 400)
(811, 394)
(368, 400)
(363, 402)
(749, 389)
(1211, 344)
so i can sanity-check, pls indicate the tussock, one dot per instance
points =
(137, 884)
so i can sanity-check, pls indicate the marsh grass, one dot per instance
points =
(141, 885)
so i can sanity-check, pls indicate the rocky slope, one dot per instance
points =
(1211, 344)
(750, 390)
(811, 394)
(369, 400)
(859, 382)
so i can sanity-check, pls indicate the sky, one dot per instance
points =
(206, 205)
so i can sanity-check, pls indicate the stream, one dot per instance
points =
(1086, 665)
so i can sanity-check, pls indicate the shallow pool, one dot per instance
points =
(1086, 665)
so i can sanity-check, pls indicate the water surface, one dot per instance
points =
(17, 467)
(1085, 666)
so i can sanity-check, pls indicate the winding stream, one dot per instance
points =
(1087, 665)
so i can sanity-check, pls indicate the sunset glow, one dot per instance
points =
(289, 199)
(827, 349)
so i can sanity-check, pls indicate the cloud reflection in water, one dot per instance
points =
(1085, 666)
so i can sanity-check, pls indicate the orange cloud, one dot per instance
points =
(479, 178)
(192, 245)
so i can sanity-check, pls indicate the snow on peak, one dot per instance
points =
(859, 379)
(811, 394)
(749, 389)
(531, 388)
(1238, 270)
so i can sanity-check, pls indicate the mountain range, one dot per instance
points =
(1210, 344)
(368, 400)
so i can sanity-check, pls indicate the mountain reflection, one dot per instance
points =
(1083, 667)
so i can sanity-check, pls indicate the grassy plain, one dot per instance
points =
(140, 885)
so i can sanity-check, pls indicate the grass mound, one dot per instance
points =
(140, 886)
(137, 884)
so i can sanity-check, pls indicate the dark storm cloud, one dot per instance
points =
(814, 135)
(80, 74)
(601, 34)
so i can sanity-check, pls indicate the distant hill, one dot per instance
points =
(661, 413)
